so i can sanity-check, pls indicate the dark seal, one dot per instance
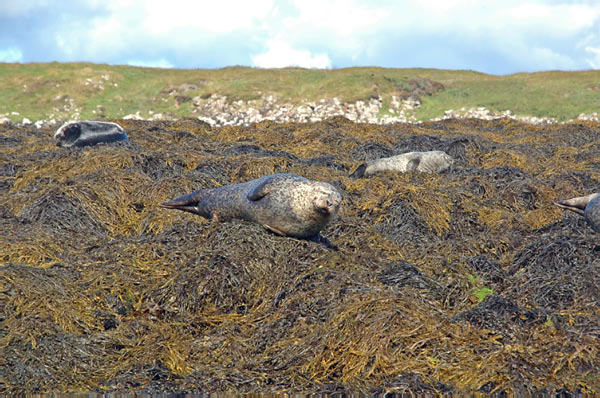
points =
(88, 132)
(586, 206)
(286, 204)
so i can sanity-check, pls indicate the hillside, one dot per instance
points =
(89, 91)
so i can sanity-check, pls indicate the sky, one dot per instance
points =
(491, 36)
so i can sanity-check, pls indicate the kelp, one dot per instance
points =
(465, 281)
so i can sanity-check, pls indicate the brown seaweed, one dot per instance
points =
(465, 281)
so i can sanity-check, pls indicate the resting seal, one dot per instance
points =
(427, 162)
(286, 204)
(88, 132)
(586, 206)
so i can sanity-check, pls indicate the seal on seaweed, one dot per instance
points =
(587, 206)
(286, 204)
(88, 132)
(427, 162)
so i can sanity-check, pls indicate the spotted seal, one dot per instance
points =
(587, 206)
(286, 204)
(88, 132)
(427, 162)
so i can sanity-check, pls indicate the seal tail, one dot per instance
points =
(577, 204)
(190, 203)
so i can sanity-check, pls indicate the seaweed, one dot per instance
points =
(502, 316)
(465, 281)
(370, 151)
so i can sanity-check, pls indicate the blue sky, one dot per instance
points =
(497, 37)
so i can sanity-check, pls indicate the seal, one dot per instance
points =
(88, 132)
(427, 162)
(587, 206)
(286, 204)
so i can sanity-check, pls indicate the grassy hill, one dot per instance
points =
(57, 90)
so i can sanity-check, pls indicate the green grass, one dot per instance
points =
(479, 291)
(36, 90)
(563, 95)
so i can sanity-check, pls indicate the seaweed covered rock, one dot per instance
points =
(468, 280)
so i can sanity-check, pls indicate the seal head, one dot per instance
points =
(286, 204)
(587, 206)
(88, 132)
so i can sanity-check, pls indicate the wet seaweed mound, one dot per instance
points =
(469, 280)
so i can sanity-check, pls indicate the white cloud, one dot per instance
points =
(344, 18)
(502, 36)
(138, 29)
(594, 62)
(159, 63)
(156, 17)
(363, 32)
(19, 8)
(347, 26)
(11, 54)
(553, 20)
(280, 54)
(549, 59)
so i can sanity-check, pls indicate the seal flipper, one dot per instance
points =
(189, 203)
(413, 164)
(564, 204)
(260, 191)
(578, 204)
(359, 172)
(275, 230)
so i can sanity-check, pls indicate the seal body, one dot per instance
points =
(586, 206)
(427, 162)
(88, 132)
(286, 204)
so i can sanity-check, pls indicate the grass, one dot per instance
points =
(562, 95)
(41, 91)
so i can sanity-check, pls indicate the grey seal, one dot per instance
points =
(88, 132)
(286, 204)
(427, 162)
(587, 206)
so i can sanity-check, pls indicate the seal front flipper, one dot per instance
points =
(190, 203)
(359, 172)
(413, 164)
(275, 230)
(261, 190)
